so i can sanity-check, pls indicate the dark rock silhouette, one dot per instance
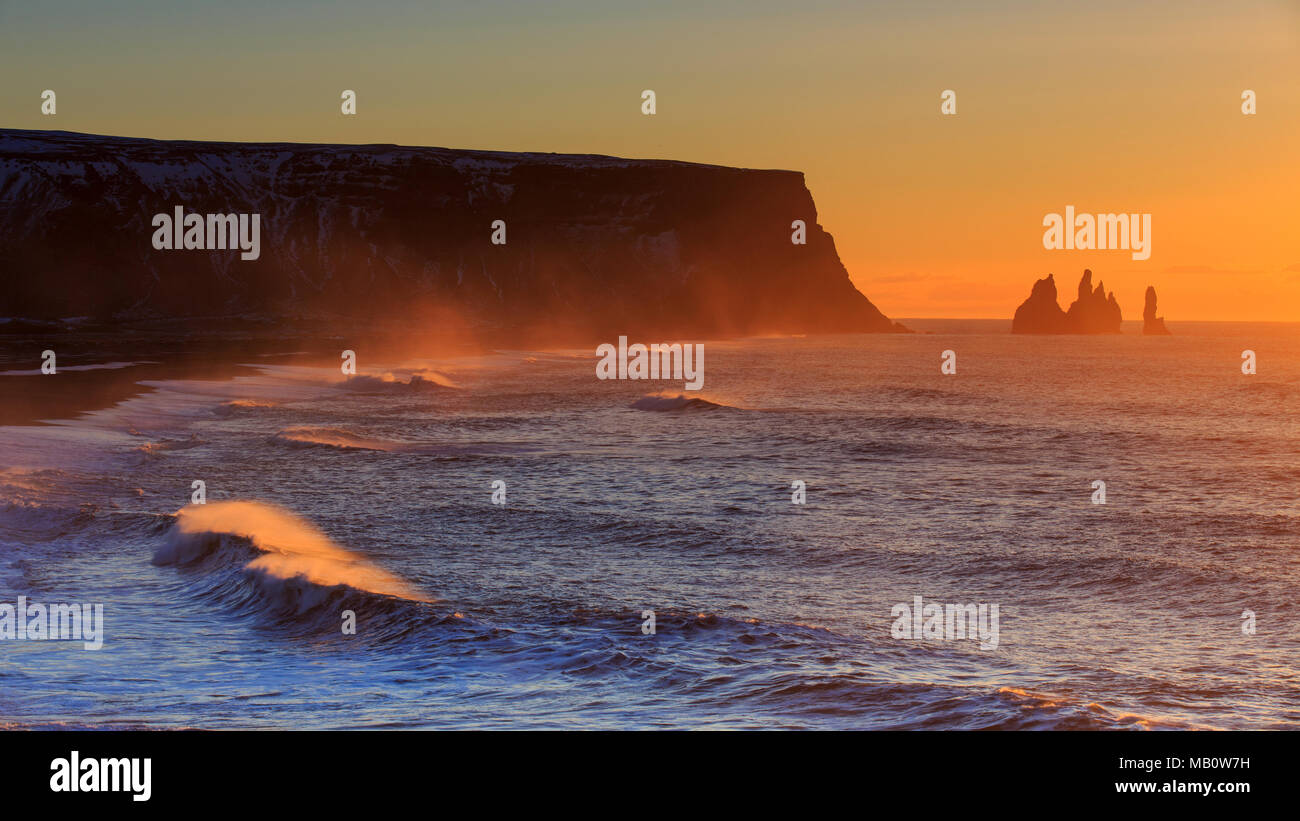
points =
(1040, 314)
(1093, 312)
(598, 245)
(1152, 325)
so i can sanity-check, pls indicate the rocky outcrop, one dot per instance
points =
(1040, 314)
(1093, 312)
(1152, 325)
(605, 245)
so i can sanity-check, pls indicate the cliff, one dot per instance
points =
(1152, 325)
(594, 244)
(1093, 312)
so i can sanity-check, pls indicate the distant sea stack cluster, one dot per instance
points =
(1094, 311)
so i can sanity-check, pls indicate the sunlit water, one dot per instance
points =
(973, 488)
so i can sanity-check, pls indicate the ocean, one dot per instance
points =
(1171, 605)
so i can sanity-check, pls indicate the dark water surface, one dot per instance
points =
(376, 496)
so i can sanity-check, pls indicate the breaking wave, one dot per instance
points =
(681, 402)
(151, 449)
(419, 382)
(238, 405)
(342, 440)
(305, 437)
(258, 553)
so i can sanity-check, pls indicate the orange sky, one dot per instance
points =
(1107, 106)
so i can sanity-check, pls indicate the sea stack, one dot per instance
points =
(1093, 312)
(1040, 314)
(1152, 325)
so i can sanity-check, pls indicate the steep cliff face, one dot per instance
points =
(1093, 312)
(365, 232)
(1152, 325)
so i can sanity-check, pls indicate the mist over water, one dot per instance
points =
(621, 497)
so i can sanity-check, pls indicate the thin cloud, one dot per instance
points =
(1208, 269)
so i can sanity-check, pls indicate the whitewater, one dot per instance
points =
(374, 495)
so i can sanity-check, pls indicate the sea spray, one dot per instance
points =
(284, 547)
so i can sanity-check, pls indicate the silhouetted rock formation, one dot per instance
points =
(1152, 325)
(1040, 314)
(1093, 312)
(597, 245)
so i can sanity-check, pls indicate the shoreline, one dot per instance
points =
(103, 366)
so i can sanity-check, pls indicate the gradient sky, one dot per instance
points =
(1108, 106)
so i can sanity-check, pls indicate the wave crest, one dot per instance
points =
(680, 402)
(234, 406)
(303, 437)
(284, 555)
(424, 381)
